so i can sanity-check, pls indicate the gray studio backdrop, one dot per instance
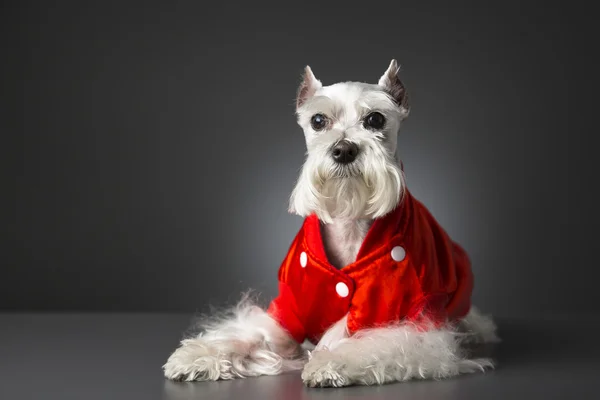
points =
(149, 150)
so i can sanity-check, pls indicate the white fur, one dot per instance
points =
(243, 342)
(333, 336)
(372, 185)
(394, 354)
(246, 341)
(399, 352)
(479, 328)
(342, 239)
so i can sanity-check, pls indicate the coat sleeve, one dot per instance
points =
(284, 307)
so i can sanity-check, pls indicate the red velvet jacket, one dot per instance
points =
(407, 268)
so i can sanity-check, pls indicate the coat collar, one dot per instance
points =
(380, 233)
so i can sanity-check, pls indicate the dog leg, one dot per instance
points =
(333, 336)
(391, 354)
(246, 342)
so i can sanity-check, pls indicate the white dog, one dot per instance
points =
(371, 279)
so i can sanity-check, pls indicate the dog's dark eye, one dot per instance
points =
(318, 122)
(374, 121)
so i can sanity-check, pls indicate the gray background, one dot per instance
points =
(148, 151)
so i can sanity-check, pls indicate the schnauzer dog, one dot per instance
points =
(372, 289)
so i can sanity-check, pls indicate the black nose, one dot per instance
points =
(344, 152)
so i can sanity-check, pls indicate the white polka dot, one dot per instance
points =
(342, 289)
(303, 259)
(398, 253)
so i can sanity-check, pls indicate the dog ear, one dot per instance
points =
(391, 82)
(310, 84)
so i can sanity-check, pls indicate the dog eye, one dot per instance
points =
(318, 122)
(374, 121)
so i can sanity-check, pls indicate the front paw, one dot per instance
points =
(325, 369)
(195, 361)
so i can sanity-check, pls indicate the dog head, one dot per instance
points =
(351, 131)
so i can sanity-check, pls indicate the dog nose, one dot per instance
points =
(344, 152)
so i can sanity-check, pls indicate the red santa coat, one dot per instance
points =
(407, 268)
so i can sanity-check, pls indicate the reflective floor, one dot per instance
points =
(119, 356)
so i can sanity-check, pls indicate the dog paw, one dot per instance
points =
(324, 371)
(193, 361)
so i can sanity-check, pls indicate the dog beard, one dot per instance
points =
(370, 187)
